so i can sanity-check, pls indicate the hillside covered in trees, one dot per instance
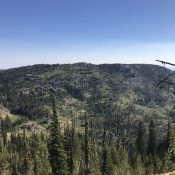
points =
(26, 90)
(85, 119)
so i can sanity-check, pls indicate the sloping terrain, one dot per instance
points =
(4, 113)
(26, 90)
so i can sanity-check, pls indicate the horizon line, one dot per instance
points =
(50, 64)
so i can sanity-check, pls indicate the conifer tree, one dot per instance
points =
(69, 145)
(139, 168)
(44, 165)
(57, 155)
(169, 160)
(106, 161)
(140, 141)
(152, 139)
(3, 158)
(26, 164)
(72, 146)
(14, 164)
(36, 165)
(169, 134)
(123, 162)
(86, 145)
(114, 154)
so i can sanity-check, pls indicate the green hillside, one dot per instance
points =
(112, 120)
(26, 90)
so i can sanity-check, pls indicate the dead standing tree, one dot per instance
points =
(166, 79)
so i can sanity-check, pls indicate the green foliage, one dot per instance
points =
(82, 149)
(69, 145)
(57, 155)
(152, 139)
(94, 160)
(107, 168)
(25, 91)
(169, 160)
(123, 167)
(29, 155)
(141, 144)
(139, 168)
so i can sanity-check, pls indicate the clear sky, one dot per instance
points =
(95, 31)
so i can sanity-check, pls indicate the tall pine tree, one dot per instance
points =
(152, 139)
(140, 141)
(57, 155)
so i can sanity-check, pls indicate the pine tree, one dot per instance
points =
(72, 145)
(149, 164)
(139, 168)
(36, 165)
(113, 154)
(14, 164)
(168, 139)
(69, 145)
(26, 163)
(107, 168)
(140, 141)
(152, 139)
(123, 166)
(57, 155)
(3, 159)
(44, 165)
(86, 145)
(94, 160)
(169, 160)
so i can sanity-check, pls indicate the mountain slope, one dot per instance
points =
(26, 90)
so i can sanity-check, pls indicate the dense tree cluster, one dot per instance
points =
(25, 91)
(66, 151)
(103, 136)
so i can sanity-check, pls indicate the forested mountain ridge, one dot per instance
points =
(105, 89)
(84, 119)
(26, 90)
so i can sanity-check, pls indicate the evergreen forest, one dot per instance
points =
(85, 119)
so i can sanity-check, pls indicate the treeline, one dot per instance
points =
(66, 151)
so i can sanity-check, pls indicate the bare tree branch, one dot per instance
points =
(165, 79)
(163, 62)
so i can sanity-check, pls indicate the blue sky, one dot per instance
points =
(96, 31)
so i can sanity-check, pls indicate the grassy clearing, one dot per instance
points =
(15, 118)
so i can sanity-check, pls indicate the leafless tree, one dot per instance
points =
(166, 79)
